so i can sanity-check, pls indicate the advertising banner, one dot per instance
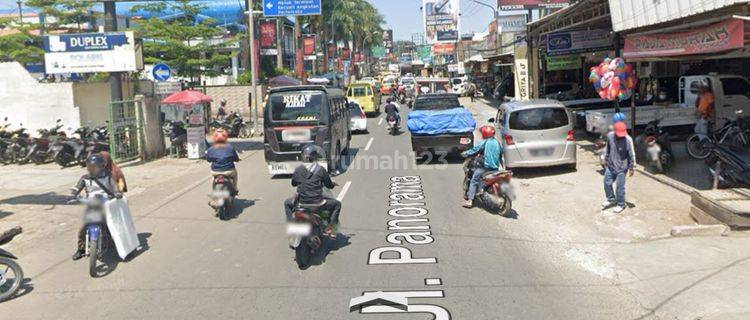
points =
(570, 42)
(267, 31)
(378, 52)
(388, 40)
(563, 63)
(90, 52)
(523, 85)
(308, 45)
(511, 23)
(441, 20)
(718, 37)
(443, 48)
(531, 4)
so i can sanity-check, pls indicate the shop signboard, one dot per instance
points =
(277, 8)
(570, 62)
(90, 52)
(378, 52)
(531, 4)
(512, 23)
(308, 46)
(719, 37)
(388, 40)
(443, 48)
(441, 20)
(453, 67)
(267, 31)
(570, 42)
(166, 88)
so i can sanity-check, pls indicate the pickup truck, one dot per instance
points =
(732, 94)
(439, 124)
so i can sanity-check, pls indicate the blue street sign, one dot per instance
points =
(276, 8)
(161, 72)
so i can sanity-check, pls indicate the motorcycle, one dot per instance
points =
(97, 237)
(658, 147)
(11, 274)
(734, 166)
(40, 151)
(222, 196)
(177, 136)
(18, 148)
(393, 126)
(234, 125)
(5, 142)
(306, 231)
(495, 193)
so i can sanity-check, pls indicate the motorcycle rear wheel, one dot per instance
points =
(696, 146)
(500, 205)
(7, 291)
(303, 254)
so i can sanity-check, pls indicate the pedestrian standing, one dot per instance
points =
(472, 91)
(619, 155)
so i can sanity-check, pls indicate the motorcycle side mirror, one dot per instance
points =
(491, 120)
(58, 120)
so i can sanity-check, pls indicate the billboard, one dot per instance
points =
(90, 52)
(267, 32)
(722, 36)
(441, 20)
(512, 23)
(531, 4)
(388, 40)
(443, 48)
(569, 42)
(308, 46)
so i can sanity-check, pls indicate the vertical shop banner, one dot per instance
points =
(523, 85)
(388, 41)
(308, 46)
(267, 31)
(531, 4)
(570, 42)
(441, 20)
(722, 36)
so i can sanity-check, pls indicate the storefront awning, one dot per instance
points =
(477, 58)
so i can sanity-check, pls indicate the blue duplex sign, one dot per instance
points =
(82, 42)
(276, 8)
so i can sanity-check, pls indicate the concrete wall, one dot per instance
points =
(93, 98)
(153, 138)
(237, 97)
(35, 105)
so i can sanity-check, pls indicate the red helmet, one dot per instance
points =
(219, 136)
(487, 132)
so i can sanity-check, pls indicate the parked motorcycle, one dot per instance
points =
(496, 193)
(222, 196)
(19, 147)
(306, 232)
(11, 274)
(393, 126)
(658, 147)
(97, 237)
(40, 150)
(234, 125)
(177, 135)
(734, 166)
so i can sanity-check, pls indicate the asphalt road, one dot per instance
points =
(197, 267)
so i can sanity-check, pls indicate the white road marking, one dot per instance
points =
(342, 194)
(369, 143)
(381, 121)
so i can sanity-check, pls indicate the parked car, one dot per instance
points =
(536, 133)
(358, 118)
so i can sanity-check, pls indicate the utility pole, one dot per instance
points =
(253, 66)
(279, 47)
(300, 61)
(20, 12)
(110, 25)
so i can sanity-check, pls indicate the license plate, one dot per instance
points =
(279, 167)
(295, 135)
(542, 152)
(298, 229)
(221, 194)
(465, 141)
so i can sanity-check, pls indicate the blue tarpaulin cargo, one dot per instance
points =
(455, 120)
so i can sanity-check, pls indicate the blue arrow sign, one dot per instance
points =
(161, 72)
(276, 8)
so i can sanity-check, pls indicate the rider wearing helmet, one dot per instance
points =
(618, 117)
(310, 179)
(491, 150)
(392, 109)
(222, 157)
(97, 180)
(222, 112)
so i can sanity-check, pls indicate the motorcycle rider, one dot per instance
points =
(491, 150)
(222, 112)
(309, 179)
(392, 109)
(97, 181)
(222, 157)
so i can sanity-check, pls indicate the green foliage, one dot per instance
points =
(22, 47)
(66, 12)
(188, 46)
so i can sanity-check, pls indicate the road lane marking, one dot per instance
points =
(342, 194)
(381, 121)
(369, 143)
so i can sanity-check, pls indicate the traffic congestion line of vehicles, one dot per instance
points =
(51, 145)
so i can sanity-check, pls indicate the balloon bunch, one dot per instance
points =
(613, 79)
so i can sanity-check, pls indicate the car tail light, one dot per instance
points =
(219, 179)
(362, 113)
(509, 140)
(570, 135)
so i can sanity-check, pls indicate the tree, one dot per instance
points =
(65, 12)
(22, 46)
(192, 46)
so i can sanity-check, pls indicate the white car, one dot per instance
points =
(459, 86)
(369, 80)
(358, 122)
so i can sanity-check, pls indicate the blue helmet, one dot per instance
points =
(618, 117)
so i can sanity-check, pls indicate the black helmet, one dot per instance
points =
(95, 164)
(312, 153)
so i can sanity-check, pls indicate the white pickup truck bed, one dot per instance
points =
(598, 121)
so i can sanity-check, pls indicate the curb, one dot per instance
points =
(700, 230)
(666, 181)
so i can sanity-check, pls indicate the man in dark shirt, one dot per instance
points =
(391, 109)
(222, 157)
(310, 179)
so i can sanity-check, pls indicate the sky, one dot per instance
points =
(405, 18)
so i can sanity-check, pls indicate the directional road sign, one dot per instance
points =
(161, 72)
(275, 8)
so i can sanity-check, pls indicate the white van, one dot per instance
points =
(459, 85)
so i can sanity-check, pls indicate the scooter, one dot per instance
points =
(658, 147)
(11, 274)
(734, 168)
(496, 193)
(222, 196)
(98, 239)
(306, 231)
(19, 147)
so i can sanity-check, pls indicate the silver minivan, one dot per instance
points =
(536, 133)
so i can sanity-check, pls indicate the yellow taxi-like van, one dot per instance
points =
(363, 94)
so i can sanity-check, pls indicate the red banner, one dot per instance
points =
(308, 44)
(443, 48)
(531, 4)
(718, 37)
(267, 31)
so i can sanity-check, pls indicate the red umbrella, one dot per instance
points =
(187, 98)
